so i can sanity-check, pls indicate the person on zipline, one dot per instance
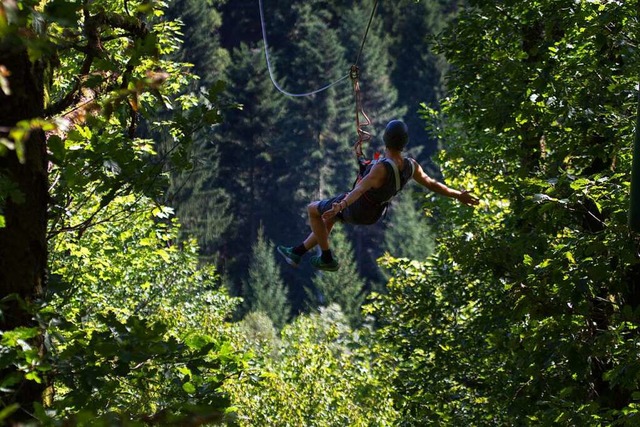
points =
(365, 204)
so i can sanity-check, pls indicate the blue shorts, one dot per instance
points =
(361, 212)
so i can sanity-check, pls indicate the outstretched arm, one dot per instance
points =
(437, 187)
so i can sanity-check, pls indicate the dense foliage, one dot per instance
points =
(527, 313)
(135, 327)
(319, 373)
(144, 145)
(113, 334)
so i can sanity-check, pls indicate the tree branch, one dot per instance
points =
(134, 27)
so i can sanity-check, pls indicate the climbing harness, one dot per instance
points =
(398, 184)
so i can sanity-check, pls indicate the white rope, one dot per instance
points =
(277, 86)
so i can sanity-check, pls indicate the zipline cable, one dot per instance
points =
(270, 68)
(364, 38)
(273, 80)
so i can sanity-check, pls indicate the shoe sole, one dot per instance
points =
(286, 258)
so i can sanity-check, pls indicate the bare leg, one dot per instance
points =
(311, 241)
(320, 229)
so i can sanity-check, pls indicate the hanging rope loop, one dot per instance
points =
(313, 92)
(362, 119)
(270, 66)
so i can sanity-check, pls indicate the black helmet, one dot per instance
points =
(396, 135)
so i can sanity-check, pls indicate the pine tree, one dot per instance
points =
(264, 289)
(408, 235)
(379, 96)
(309, 151)
(417, 71)
(203, 207)
(202, 45)
(314, 129)
(241, 23)
(247, 142)
(312, 158)
(345, 288)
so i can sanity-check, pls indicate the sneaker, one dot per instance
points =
(287, 253)
(317, 262)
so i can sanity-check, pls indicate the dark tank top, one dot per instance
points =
(369, 208)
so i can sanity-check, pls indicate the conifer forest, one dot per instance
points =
(154, 154)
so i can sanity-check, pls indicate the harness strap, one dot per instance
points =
(364, 164)
(396, 173)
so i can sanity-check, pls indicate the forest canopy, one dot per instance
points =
(149, 167)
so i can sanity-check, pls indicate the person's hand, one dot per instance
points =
(468, 199)
(335, 210)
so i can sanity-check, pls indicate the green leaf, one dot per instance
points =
(63, 11)
(11, 338)
(56, 146)
(579, 184)
(10, 380)
(145, 8)
(33, 376)
(40, 412)
(163, 254)
(189, 387)
(8, 410)
(20, 151)
(570, 257)
(198, 341)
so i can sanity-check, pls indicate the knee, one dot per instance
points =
(312, 209)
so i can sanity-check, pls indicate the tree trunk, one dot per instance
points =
(23, 246)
